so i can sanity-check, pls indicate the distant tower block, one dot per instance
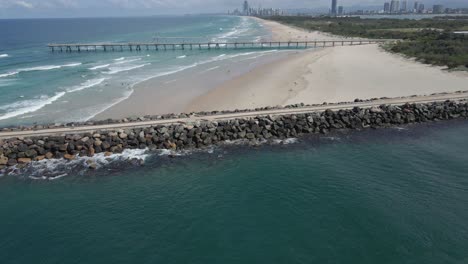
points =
(333, 7)
(340, 10)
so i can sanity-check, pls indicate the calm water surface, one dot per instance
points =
(384, 196)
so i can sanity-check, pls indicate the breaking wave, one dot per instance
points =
(114, 70)
(86, 85)
(49, 67)
(99, 67)
(28, 106)
(4, 55)
(8, 74)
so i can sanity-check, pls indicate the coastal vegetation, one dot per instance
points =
(431, 41)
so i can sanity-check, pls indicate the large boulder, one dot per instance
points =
(3, 160)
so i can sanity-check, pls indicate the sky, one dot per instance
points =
(99, 8)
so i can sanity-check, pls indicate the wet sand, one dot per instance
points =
(333, 74)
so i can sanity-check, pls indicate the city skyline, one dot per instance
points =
(90, 8)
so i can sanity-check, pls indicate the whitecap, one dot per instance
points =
(99, 67)
(4, 55)
(72, 64)
(28, 106)
(128, 61)
(181, 57)
(49, 67)
(40, 68)
(120, 59)
(114, 70)
(86, 85)
(8, 74)
(55, 169)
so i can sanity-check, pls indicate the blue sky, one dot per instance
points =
(86, 8)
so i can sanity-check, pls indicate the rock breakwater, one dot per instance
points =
(19, 152)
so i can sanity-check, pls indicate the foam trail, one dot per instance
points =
(117, 70)
(40, 68)
(49, 67)
(4, 55)
(72, 64)
(128, 61)
(99, 67)
(120, 59)
(29, 106)
(181, 57)
(86, 85)
(55, 169)
(8, 74)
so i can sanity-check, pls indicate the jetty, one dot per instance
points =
(139, 46)
(223, 116)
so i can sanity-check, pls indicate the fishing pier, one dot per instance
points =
(139, 46)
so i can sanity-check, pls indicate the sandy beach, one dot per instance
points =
(333, 74)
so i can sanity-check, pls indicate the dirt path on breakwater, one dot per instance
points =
(227, 116)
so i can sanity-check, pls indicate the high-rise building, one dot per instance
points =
(404, 6)
(395, 6)
(421, 8)
(246, 8)
(333, 7)
(438, 9)
(340, 10)
(416, 6)
(386, 7)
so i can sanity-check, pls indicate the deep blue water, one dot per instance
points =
(376, 196)
(40, 86)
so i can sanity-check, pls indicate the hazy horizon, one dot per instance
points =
(111, 8)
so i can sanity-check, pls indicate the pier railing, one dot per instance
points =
(139, 46)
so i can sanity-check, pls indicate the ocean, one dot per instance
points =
(39, 86)
(395, 195)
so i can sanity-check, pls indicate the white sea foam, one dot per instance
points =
(72, 64)
(49, 67)
(120, 59)
(4, 55)
(55, 169)
(127, 61)
(114, 70)
(99, 67)
(86, 85)
(28, 106)
(181, 57)
(8, 74)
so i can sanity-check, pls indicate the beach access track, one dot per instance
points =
(192, 119)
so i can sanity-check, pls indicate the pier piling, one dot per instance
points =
(217, 45)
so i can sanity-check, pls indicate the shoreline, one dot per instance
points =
(146, 96)
(332, 74)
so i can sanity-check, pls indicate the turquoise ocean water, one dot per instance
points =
(375, 196)
(37, 85)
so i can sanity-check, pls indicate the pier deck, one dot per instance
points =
(139, 46)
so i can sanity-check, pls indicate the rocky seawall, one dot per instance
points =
(19, 152)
